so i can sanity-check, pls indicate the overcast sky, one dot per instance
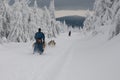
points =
(66, 4)
(74, 4)
(73, 7)
(67, 7)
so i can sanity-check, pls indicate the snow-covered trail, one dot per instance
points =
(73, 58)
(92, 59)
(18, 63)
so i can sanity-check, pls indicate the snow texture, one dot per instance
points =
(19, 22)
(106, 18)
(73, 58)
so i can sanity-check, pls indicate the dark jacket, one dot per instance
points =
(40, 35)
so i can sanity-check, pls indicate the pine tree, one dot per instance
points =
(52, 9)
(19, 22)
(106, 18)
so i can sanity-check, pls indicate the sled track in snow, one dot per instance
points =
(64, 59)
(56, 65)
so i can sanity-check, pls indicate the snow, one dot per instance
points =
(19, 22)
(106, 15)
(78, 57)
(89, 54)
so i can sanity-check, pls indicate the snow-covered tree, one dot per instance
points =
(52, 9)
(1, 17)
(106, 18)
(19, 22)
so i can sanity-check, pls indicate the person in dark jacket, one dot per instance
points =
(69, 34)
(40, 41)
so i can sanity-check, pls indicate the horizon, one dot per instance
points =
(62, 13)
(73, 7)
(67, 8)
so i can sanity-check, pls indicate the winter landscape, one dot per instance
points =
(90, 53)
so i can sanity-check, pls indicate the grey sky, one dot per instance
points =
(67, 4)
(73, 4)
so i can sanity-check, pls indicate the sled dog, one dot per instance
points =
(51, 43)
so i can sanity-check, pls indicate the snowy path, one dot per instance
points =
(73, 58)
(18, 63)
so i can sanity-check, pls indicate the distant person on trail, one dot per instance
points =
(40, 41)
(69, 33)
